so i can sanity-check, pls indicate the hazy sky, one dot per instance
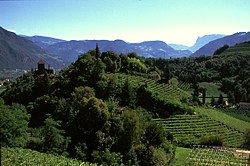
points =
(173, 21)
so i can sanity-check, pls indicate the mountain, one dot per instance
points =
(230, 40)
(201, 41)
(179, 46)
(20, 53)
(43, 41)
(70, 50)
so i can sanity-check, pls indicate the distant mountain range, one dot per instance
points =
(70, 50)
(20, 53)
(230, 40)
(23, 52)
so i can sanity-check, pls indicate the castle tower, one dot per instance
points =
(41, 67)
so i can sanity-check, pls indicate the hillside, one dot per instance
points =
(230, 40)
(19, 53)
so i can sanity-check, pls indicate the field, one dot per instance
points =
(18, 156)
(216, 156)
(189, 129)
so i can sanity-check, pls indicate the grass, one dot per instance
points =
(212, 89)
(180, 156)
(224, 118)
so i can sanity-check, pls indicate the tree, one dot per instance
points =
(166, 72)
(53, 140)
(220, 100)
(247, 139)
(221, 49)
(49, 138)
(14, 125)
(212, 101)
(231, 98)
(203, 95)
(244, 96)
(97, 51)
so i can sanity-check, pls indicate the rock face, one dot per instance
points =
(201, 41)
(20, 53)
(230, 40)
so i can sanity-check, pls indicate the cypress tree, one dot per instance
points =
(220, 101)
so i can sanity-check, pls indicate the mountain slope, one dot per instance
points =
(201, 41)
(231, 40)
(42, 41)
(19, 53)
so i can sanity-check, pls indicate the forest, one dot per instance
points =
(107, 108)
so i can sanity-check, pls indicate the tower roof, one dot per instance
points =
(41, 62)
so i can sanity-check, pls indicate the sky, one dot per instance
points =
(172, 21)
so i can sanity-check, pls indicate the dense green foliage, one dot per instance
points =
(14, 125)
(90, 115)
(230, 68)
(100, 108)
(19, 156)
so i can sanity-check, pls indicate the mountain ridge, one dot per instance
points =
(230, 40)
(70, 50)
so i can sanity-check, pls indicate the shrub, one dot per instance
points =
(211, 140)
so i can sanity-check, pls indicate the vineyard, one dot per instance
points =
(165, 91)
(237, 113)
(188, 129)
(18, 156)
(231, 121)
(203, 155)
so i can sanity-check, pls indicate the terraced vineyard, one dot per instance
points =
(216, 156)
(188, 129)
(161, 89)
(237, 113)
(185, 86)
(18, 156)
